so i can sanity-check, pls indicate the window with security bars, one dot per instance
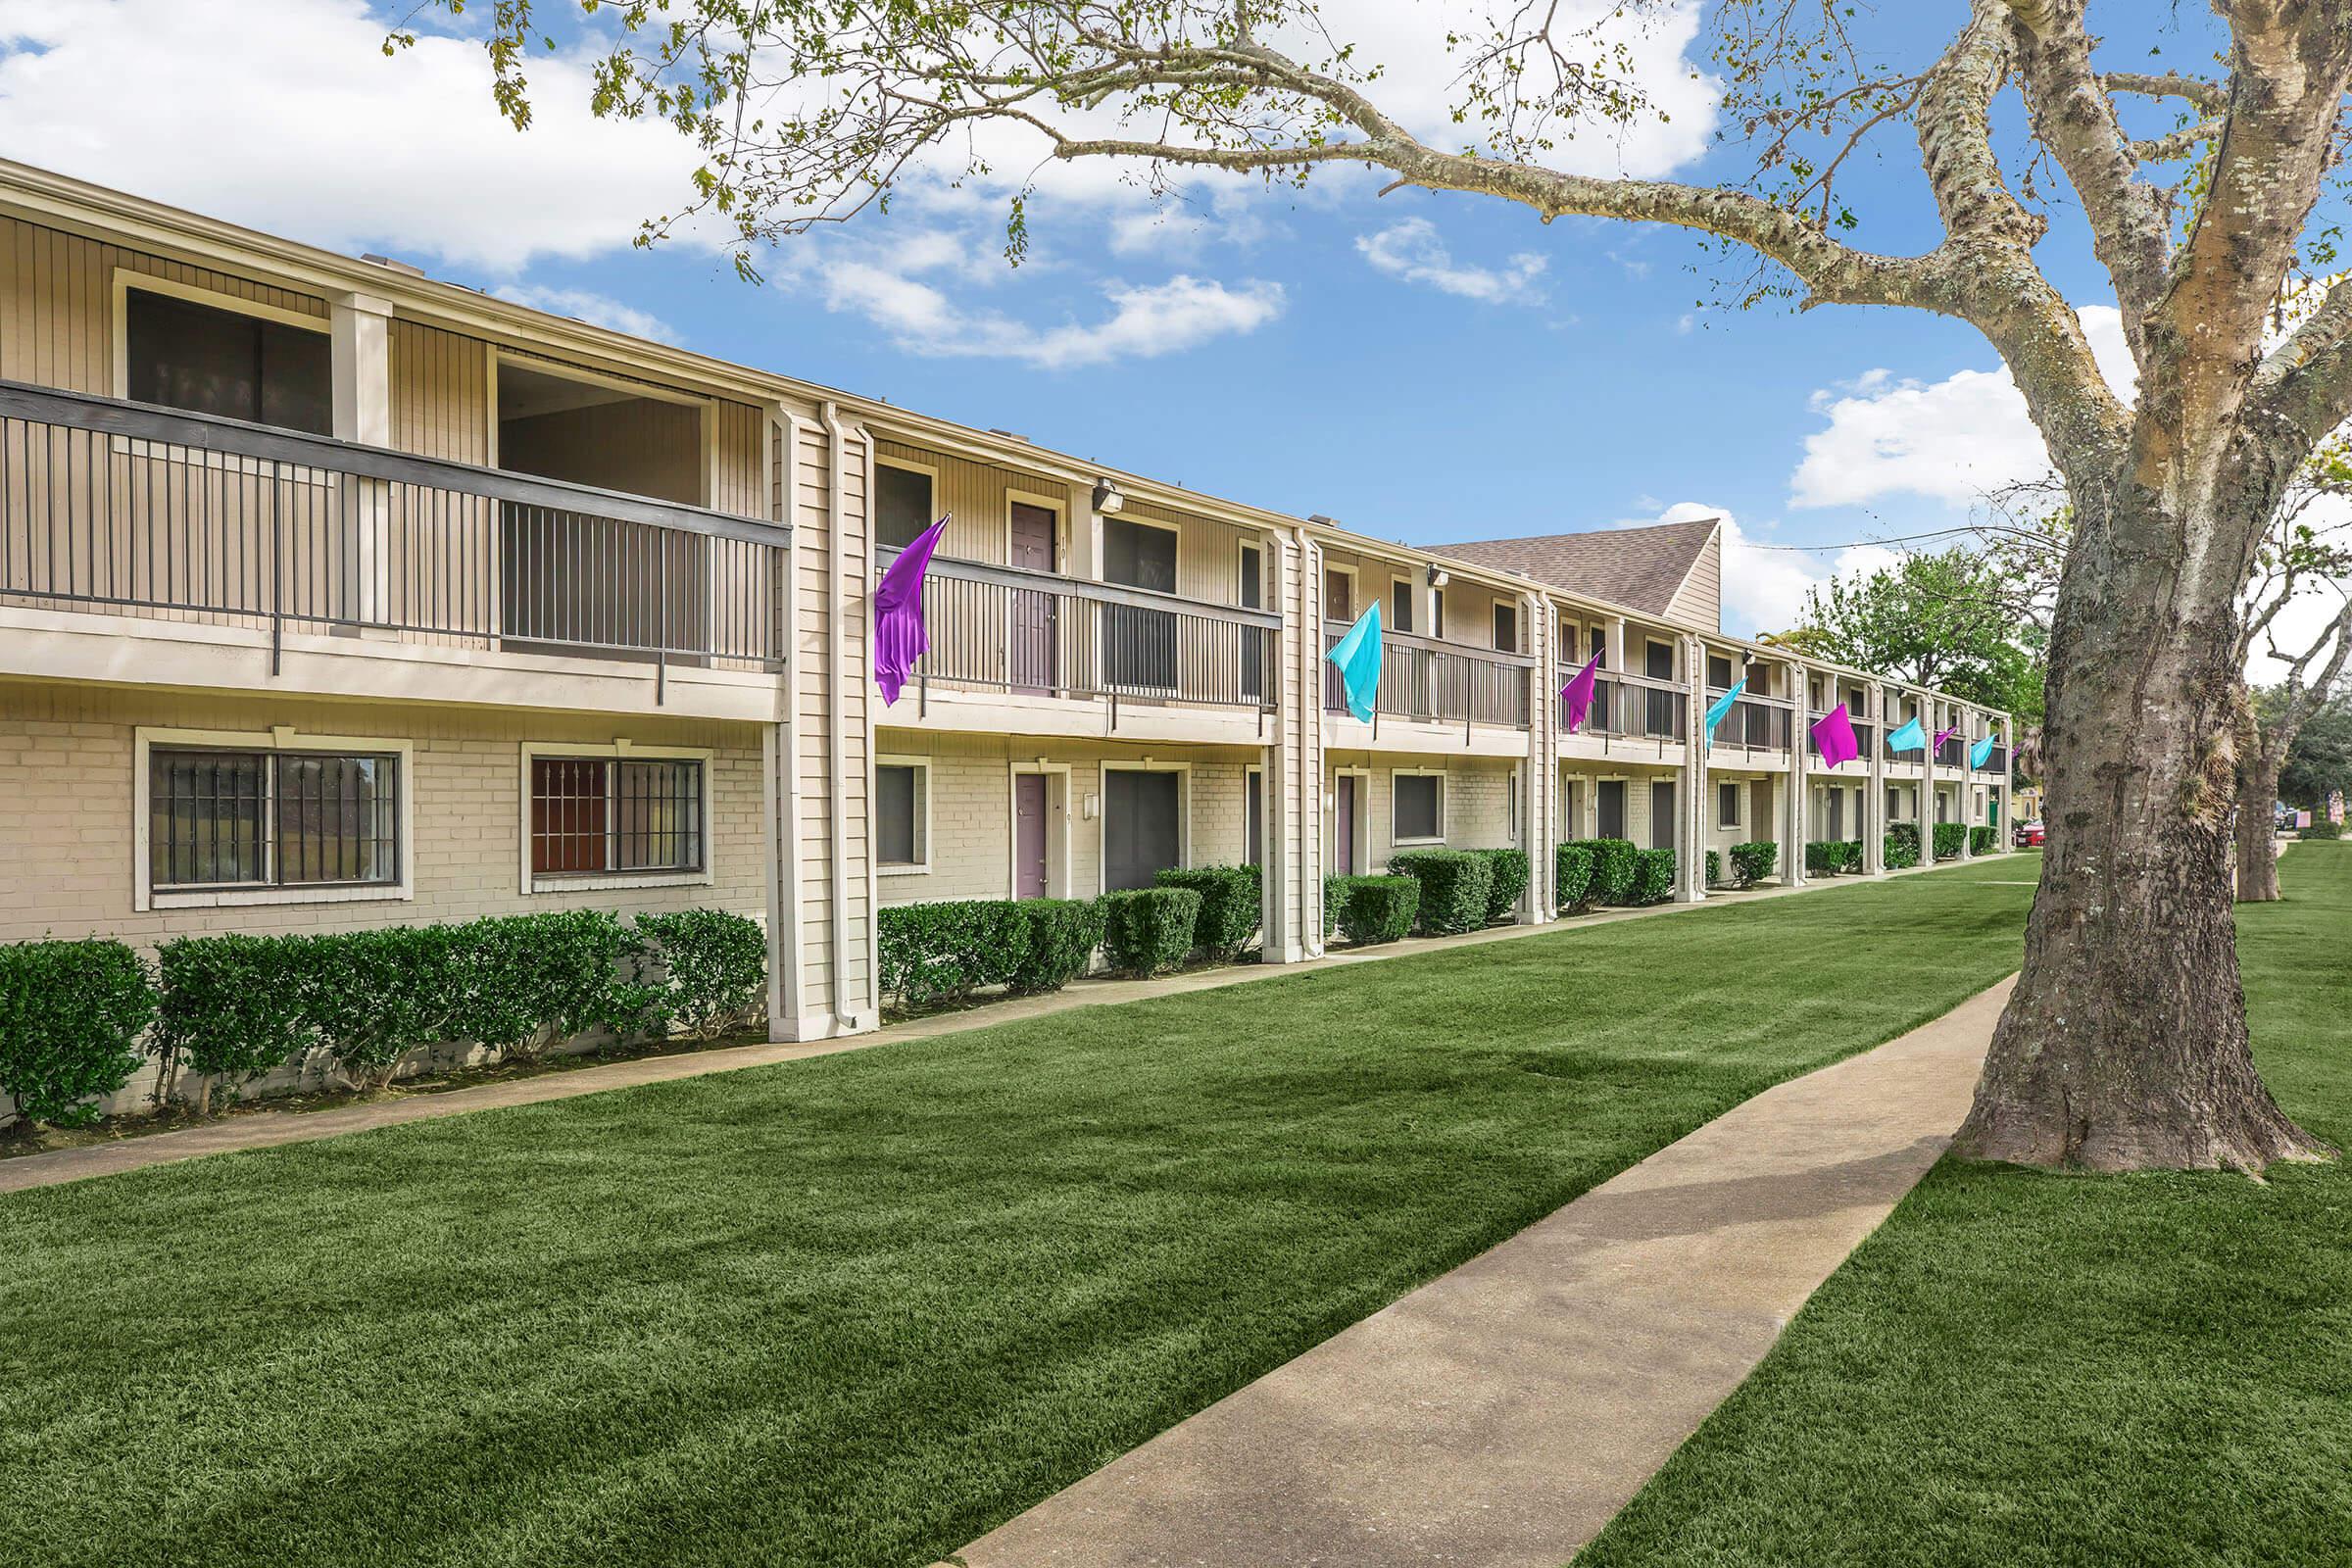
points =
(600, 814)
(258, 819)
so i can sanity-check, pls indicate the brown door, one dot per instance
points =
(1031, 646)
(1343, 827)
(1029, 835)
(1760, 824)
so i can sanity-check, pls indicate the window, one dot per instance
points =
(1254, 830)
(208, 360)
(902, 505)
(1512, 808)
(903, 815)
(1719, 672)
(1596, 646)
(596, 816)
(1727, 805)
(1138, 555)
(1661, 815)
(1436, 612)
(1420, 804)
(1253, 578)
(1339, 594)
(1506, 628)
(1400, 605)
(221, 819)
(1142, 826)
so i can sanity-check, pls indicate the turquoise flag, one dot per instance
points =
(1980, 752)
(1910, 738)
(1358, 658)
(1721, 706)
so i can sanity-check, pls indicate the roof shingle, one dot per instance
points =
(1640, 568)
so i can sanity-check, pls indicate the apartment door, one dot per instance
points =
(1142, 826)
(1610, 804)
(1031, 644)
(1254, 834)
(1029, 795)
(1139, 642)
(1760, 824)
(1343, 825)
(1661, 815)
(1836, 815)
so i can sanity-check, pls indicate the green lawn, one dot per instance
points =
(2024, 1369)
(856, 1310)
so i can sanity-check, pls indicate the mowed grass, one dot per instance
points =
(858, 1310)
(2025, 1369)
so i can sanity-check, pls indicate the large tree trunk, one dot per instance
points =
(2125, 1045)
(2257, 855)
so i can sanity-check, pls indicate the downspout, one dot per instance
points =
(836, 715)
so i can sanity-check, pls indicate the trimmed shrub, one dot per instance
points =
(539, 978)
(71, 1017)
(1507, 873)
(1612, 880)
(713, 967)
(2322, 830)
(1570, 874)
(372, 997)
(1654, 876)
(1821, 857)
(1753, 861)
(1901, 847)
(1335, 897)
(1714, 870)
(1453, 888)
(1063, 934)
(1149, 931)
(1948, 837)
(1231, 905)
(934, 954)
(233, 1007)
(1373, 910)
(1983, 840)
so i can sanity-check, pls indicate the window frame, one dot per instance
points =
(1739, 798)
(1400, 598)
(1503, 608)
(1399, 838)
(126, 279)
(544, 882)
(146, 896)
(930, 472)
(921, 864)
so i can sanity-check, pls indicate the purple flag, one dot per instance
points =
(1579, 692)
(1833, 737)
(1942, 736)
(899, 636)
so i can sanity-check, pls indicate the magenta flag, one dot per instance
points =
(1579, 692)
(899, 635)
(1833, 737)
(1942, 736)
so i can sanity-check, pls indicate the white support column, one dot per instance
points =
(1540, 790)
(1798, 797)
(359, 369)
(1293, 760)
(1872, 823)
(1923, 802)
(780, 773)
(1691, 794)
(1969, 720)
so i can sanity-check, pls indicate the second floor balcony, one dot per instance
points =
(1430, 682)
(1632, 708)
(1755, 723)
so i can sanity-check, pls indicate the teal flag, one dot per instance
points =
(1358, 658)
(1721, 706)
(1910, 738)
(1980, 752)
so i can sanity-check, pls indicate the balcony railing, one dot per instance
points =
(1997, 762)
(111, 505)
(1755, 723)
(1031, 633)
(1421, 678)
(1632, 708)
(1865, 732)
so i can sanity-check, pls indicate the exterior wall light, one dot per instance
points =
(1439, 576)
(1108, 497)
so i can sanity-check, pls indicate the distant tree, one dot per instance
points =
(1943, 620)
(2319, 761)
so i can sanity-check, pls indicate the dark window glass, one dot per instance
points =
(1598, 645)
(898, 801)
(902, 505)
(1727, 805)
(1138, 556)
(271, 819)
(1661, 817)
(1253, 845)
(1658, 661)
(1253, 578)
(1400, 607)
(211, 361)
(1719, 672)
(1437, 611)
(335, 819)
(1420, 805)
(1142, 830)
(1612, 808)
(1139, 650)
(1506, 628)
(591, 814)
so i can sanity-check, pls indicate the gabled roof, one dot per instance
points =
(1640, 568)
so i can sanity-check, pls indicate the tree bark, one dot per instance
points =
(2123, 1046)
(2257, 856)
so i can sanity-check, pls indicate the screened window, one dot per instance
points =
(248, 819)
(1719, 672)
(1138, 555)
(1506, 628)
(1400, 607)
(1420, 806)
(592, 814)
(210, 360)
(902, 505)
(900, 806)
(1727, 805)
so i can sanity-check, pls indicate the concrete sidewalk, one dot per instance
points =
(263, 1128)
(1501, 1414)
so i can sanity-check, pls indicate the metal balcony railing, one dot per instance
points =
(1952, 752)
(1632, 706)
(128, 506)
(1865, 732)
(1421, 678)
(1997, 762)
(1032, 634)
(1755, 723)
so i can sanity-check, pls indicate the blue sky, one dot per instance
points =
(1420, 367)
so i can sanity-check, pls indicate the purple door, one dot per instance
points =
(1029, 835)
(1031, 634)
(1343, 828)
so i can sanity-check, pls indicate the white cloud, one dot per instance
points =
(1146, 320)
(1412, 251)
(1956, 440)
(1764, 588)
(291, 119)
(598, 309)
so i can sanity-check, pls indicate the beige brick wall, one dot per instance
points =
(1477, 801)
(67, 844)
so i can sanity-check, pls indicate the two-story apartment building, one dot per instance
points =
(334, 594)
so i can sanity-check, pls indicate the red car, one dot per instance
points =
(2028, 834)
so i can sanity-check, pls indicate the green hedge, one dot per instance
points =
(1612, 880)
(1454, 889)
(1570, 874)
(233, 1007)
(936, 955)
(1231, 905)
(1753, 861)
(713, 969)
(2320, 830)
(1508, 873)
(1901, 846)
(1063, 934)
(1948, 838)
(1372, 910)
(1654, 876)
(71, 1017)
(541, 978)
(1983, 840)
(1149, 931)
(372, 997)
(1830, 856)
(1714, 870)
